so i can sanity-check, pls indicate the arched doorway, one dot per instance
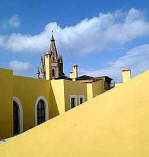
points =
(41, 110)
(17, 116)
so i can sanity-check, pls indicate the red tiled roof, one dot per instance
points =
(126, 69)
(88, 81)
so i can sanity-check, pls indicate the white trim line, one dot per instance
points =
(46, 108)
(81, 96)
(20, 113)
(73, 96)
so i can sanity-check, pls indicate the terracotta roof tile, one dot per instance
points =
(126, 69)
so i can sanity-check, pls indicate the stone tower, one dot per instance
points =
(56, 63)
(56, 60)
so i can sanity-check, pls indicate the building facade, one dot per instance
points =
(27, 102)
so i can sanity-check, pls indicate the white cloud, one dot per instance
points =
(14, 21)
(137, 59)
(19, 66)
(90, 35)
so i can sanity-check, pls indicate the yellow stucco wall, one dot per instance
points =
(57, 97)
(98, 87)
(89, 91)
(95, 88)
(6, 109)
(73, 88)
(27, 90)
(115, 124)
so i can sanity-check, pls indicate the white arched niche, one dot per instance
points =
(46, 108)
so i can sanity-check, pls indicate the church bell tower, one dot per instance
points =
(53, 68)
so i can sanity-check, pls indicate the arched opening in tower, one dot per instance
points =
(53, 73)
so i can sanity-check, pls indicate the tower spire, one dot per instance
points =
(53, 49)
(52, 38)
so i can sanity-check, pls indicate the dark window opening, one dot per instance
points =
(107, 85)
(40, 112)
(72, 102)
(53, 73)
(15, 118)
(81, 100)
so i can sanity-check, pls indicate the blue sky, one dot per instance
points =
(102, 37)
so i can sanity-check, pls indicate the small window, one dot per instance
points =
(81, 99)
(40, 112)
(107, 86)
(73, 101)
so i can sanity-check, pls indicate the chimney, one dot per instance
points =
(74, 73)
(126, 75)
(71, 74)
